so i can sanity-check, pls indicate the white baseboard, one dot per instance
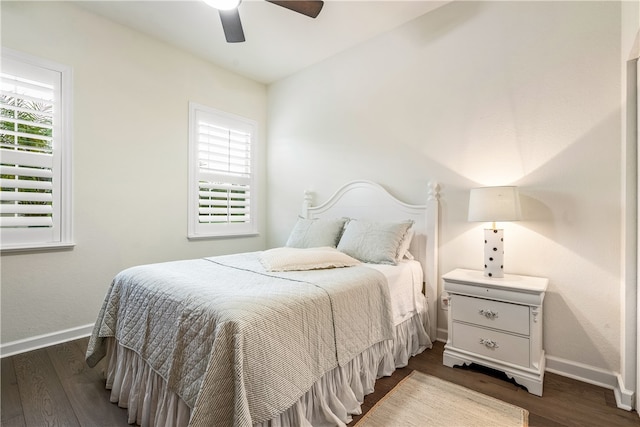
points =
(625, 399)
(441, 335)
(581, 372)
(46, 340)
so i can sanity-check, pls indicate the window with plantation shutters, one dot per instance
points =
(34, 153)
(221, 194)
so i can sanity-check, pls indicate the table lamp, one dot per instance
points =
(491, 204)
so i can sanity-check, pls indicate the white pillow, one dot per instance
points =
(297, 259)
(374, 242)
(315, 233)
(403, 251)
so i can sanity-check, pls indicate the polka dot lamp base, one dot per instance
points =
(493, 252)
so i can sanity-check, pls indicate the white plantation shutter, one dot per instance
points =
(34, 211)
(222, 197)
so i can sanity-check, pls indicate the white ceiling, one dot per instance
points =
(279, 42)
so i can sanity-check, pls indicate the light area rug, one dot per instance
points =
(421, 400)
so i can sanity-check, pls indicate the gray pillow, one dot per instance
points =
(315, 233)
(372, 241)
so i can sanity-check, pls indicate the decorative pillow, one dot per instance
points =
(374, 242)
(315, 233)
(297, 259)
(403, 250)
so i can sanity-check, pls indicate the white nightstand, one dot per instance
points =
(497, 323)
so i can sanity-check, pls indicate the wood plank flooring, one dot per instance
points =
(54, 386)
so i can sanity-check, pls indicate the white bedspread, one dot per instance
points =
(237, 344)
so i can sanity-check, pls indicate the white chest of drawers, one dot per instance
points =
(497, 323)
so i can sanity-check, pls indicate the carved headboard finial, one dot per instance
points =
(434, 191)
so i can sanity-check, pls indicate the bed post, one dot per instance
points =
(306, 203)
(432, 277)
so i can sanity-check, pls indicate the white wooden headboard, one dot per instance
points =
(369, 200)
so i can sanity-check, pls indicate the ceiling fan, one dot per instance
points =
(230, 17)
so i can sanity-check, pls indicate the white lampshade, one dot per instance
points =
(491, 204)
(494, 204)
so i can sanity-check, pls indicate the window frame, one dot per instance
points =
(197, 230)
(16, 239)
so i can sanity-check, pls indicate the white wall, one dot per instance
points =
(130, 117)
(477, 94)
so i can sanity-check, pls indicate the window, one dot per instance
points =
(222, 196)
(35, 153)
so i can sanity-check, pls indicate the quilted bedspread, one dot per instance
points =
(237, 343)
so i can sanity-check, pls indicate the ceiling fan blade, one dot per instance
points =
(231, 25)
(310, 8)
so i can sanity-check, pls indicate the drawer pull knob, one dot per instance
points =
(489, 343)
(489, 314)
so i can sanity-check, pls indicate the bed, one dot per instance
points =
(291, 336)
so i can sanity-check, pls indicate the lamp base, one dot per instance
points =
(493, 252)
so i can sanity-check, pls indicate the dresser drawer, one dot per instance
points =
(489, 343)
(492, 314)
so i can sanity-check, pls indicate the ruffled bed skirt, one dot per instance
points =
(331, 401)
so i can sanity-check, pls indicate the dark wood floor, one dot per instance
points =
(54, 386)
